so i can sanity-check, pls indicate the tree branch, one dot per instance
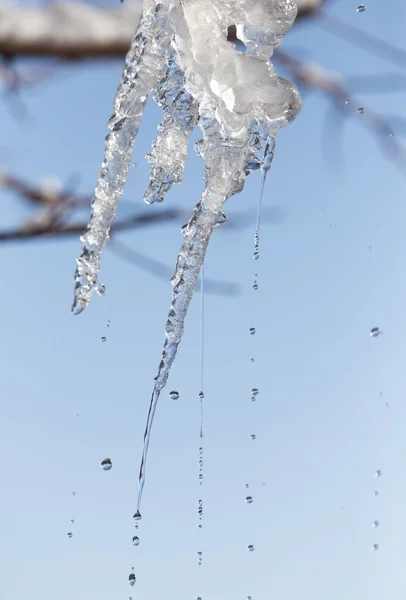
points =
(77, 31)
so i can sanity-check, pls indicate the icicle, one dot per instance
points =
(224, 171)
(181, 50)
(144, 64)
(169, 149)
(265, 166)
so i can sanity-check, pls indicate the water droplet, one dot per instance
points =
(251, 548)
(104, 339)
(131, 579)
(247, 485)
(378, 473)
(253, 436)
(174, 395)
(361, 110)
(255, 391)
(347, 101)
(256, 255)
(375, 547)
(255, 286)
(72, 521)
(248, 597)
(252, 359)
(69, 535)
(106, 464)
(101, 289)
(201, 395)
(361, 8)
(375, 332)
(252, 330)
(136, 541)
(375, 524)
(73, 493)
(376, 493)
(249, 500)
(137, 516)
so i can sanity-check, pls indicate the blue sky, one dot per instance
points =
(330, 409)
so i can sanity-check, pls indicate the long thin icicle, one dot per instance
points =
(144, 66)
(265, 166)
(224, 159)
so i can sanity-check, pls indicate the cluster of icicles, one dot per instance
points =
(180, 52)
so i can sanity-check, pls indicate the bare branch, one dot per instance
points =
(315, 78)
(76, 30)
(155, 267)
(38, 230)
(363, 39)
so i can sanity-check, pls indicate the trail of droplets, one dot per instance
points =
(375, 523)
(256, 145)
(201, 398)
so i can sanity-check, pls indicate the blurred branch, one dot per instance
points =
(316, 79)
(362, 39)
(155, 267)
(56, 204)
(76, 30)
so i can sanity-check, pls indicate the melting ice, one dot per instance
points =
(181, 54)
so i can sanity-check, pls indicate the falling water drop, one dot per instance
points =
(252, 360)
(101, 289)
(256, 255)
(69, 535)
(106, 464)
(252, 330)
(174, 395)
(251, 548)
(201, 395)
(136, 541)
(378, 473)
(131, 579)
(247, 485)
(253, 436)
(72, 521)
(255, 286)
(137, 516)
(361, 110)
(249, 500)
(375, 332)
(361, 8)
(375, 524)
(104, 339)
(375, 547)
(376, 493)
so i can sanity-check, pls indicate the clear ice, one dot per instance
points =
(181, 54)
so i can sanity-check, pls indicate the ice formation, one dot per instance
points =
(181, 53)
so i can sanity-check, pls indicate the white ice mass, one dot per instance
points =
(180, 52)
